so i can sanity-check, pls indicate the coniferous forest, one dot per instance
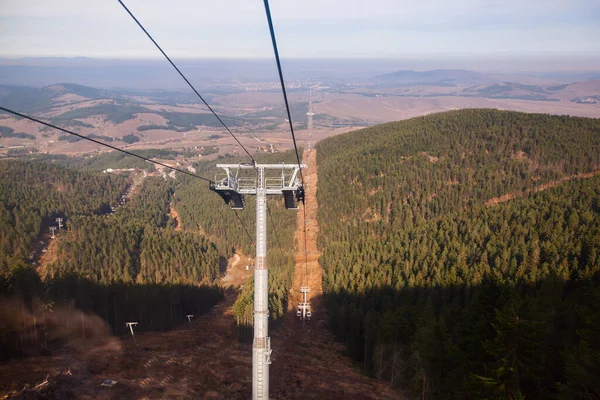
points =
(461, 253)
(130, 265)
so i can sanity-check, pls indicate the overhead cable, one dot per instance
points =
(274, 228)
(103, 144)
(289, 114)
(185, 79)
(287, 106)
(244, 226)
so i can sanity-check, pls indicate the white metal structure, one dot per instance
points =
(53, 229)
(303, 310)
(59, 221)
(310, 113)
(130, 325)
(249, 179)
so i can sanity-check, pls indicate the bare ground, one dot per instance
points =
(175, 216)
(509, 196)
(308, 271)
(51, 253)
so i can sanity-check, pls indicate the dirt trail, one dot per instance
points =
(200, 229)
(307, 361)
(175, 216)
(509, 196)
(237, 275)
(307, 273)
(50, 255)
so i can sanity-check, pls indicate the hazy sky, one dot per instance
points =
(305, 28)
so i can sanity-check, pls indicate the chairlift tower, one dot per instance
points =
(53, 229)
(251, 179)
(59, 221)
(303, 310)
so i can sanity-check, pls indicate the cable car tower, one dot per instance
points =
(232, 186)
(303, 311)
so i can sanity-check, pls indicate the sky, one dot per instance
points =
(384, 29)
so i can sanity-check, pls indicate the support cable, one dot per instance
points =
(185, 79)
(244, 226)
(287, 106)
(274, 228)
(102, 144)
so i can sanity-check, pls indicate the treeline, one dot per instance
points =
(434, 291)
(6, 132)
(40, 317)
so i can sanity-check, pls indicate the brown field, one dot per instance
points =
(351, 107)
(195, 108)
(589, 88)
(60, 109)
(385, 109)
(70, 98)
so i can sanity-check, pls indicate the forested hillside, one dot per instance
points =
(200, 208)
(436, 285)
(130, 265)
(33, 194)
(124, 266)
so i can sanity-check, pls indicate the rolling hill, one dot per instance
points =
(37, 100)
(461, 252)
(437, 77)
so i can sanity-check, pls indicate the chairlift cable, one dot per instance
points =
(287, 105)
(244, 226)
(102, 144)
(185, 79)
(289, 114)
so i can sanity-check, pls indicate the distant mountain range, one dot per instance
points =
(465, 83)
(436, 77)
